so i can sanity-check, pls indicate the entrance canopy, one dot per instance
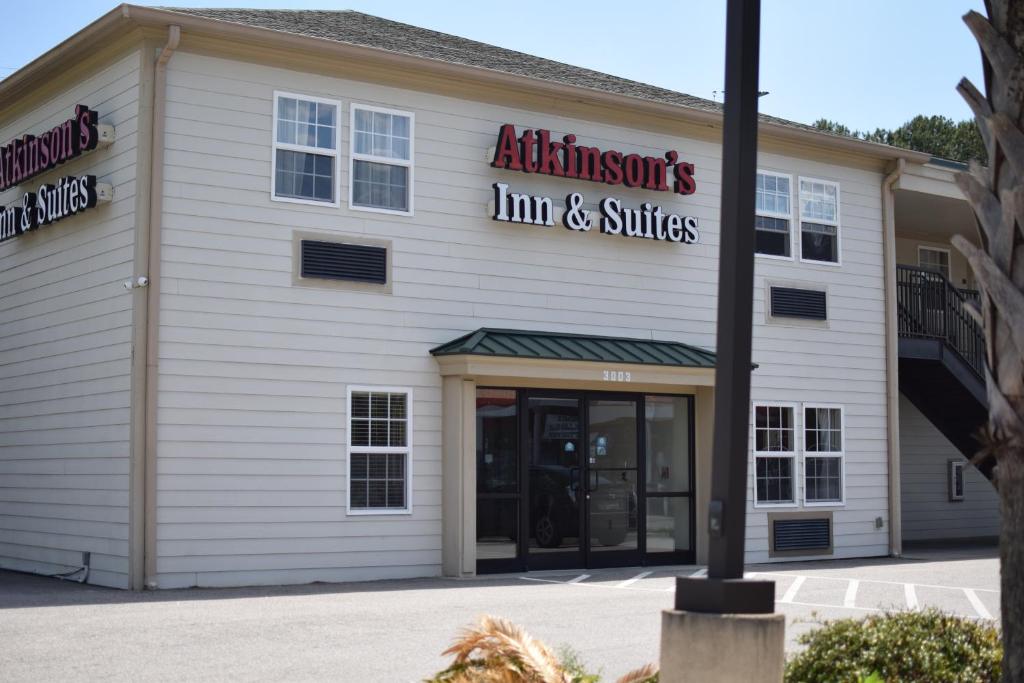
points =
(560, 346)
(584, 377)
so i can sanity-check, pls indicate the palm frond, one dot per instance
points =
(644, 674)
(504, 646)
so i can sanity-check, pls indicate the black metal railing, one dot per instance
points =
(930, 307)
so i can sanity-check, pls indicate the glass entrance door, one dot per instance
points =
(553, 440)
(573, 479)
(611, 499)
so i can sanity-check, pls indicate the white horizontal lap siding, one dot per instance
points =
(65, 350)
(841, 364)
(928, 513)
(254, 371)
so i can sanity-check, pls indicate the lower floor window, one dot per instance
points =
(379, 455)
(377, 481)
(774, 479)
(823, 479)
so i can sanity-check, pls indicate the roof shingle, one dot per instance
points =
(356, 28)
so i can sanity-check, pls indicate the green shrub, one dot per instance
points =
(899, 646)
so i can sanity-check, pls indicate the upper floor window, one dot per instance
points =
(305, 149)
(774, 215)
(819, 220)
(381, 171)
(934, 259)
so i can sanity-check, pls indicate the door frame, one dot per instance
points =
(616, 558)
(583, 558)
(567, 559)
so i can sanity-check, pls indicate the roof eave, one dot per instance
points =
(146, 16)
(52, 60)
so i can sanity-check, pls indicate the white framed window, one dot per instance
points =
(379, 450)
(305, 150)
(774, 454)
(934, 258)
(819, 221)
(824, 466)
(773, 222)
(956, 480)
(381, 163)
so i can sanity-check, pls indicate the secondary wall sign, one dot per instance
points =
(71, 195)
(25, 158)
(535, 152)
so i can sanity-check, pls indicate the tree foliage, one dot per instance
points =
(935, 135)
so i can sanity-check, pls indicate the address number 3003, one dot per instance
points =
(616, 376)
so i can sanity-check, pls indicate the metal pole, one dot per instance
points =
(735, 290)
(724, 590)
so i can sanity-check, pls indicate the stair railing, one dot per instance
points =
(930, 307)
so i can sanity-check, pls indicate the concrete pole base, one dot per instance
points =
(726, 648)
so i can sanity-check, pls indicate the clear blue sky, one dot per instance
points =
(866, 63)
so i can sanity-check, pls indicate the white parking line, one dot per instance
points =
(850, 599)
(911, 595)
(978, 606)
(789, 598)
(630, 582)
(793, 588)
(882, 581)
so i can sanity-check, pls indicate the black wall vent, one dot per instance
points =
(802, 534)
(344, 261)
(798, 303)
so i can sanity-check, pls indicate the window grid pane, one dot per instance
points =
(379, 419)
(819, 242)
(823, 479)
(380, 186)
(306, 123)
(771, 236)
(818, 201)
(773, 428)
(774, 479)
(377, 481)
(772, 194)
(302, 175)
(382, 134)
(823, 430)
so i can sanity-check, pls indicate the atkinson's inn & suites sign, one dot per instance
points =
(32, 155)
(535, 152)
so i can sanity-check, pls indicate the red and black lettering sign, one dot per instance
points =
(25, 158)
(535, 152)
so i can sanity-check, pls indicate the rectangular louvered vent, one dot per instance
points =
(798, 303)
(344, 261)
(802, 534)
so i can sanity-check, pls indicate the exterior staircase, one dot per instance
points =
(942, 357)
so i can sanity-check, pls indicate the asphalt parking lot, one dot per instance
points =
(396, 630)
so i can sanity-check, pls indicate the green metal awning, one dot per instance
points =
(583, 347)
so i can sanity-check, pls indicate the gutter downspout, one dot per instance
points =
(153, 295)
(892, 368)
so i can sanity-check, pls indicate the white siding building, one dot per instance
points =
(318, 327)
